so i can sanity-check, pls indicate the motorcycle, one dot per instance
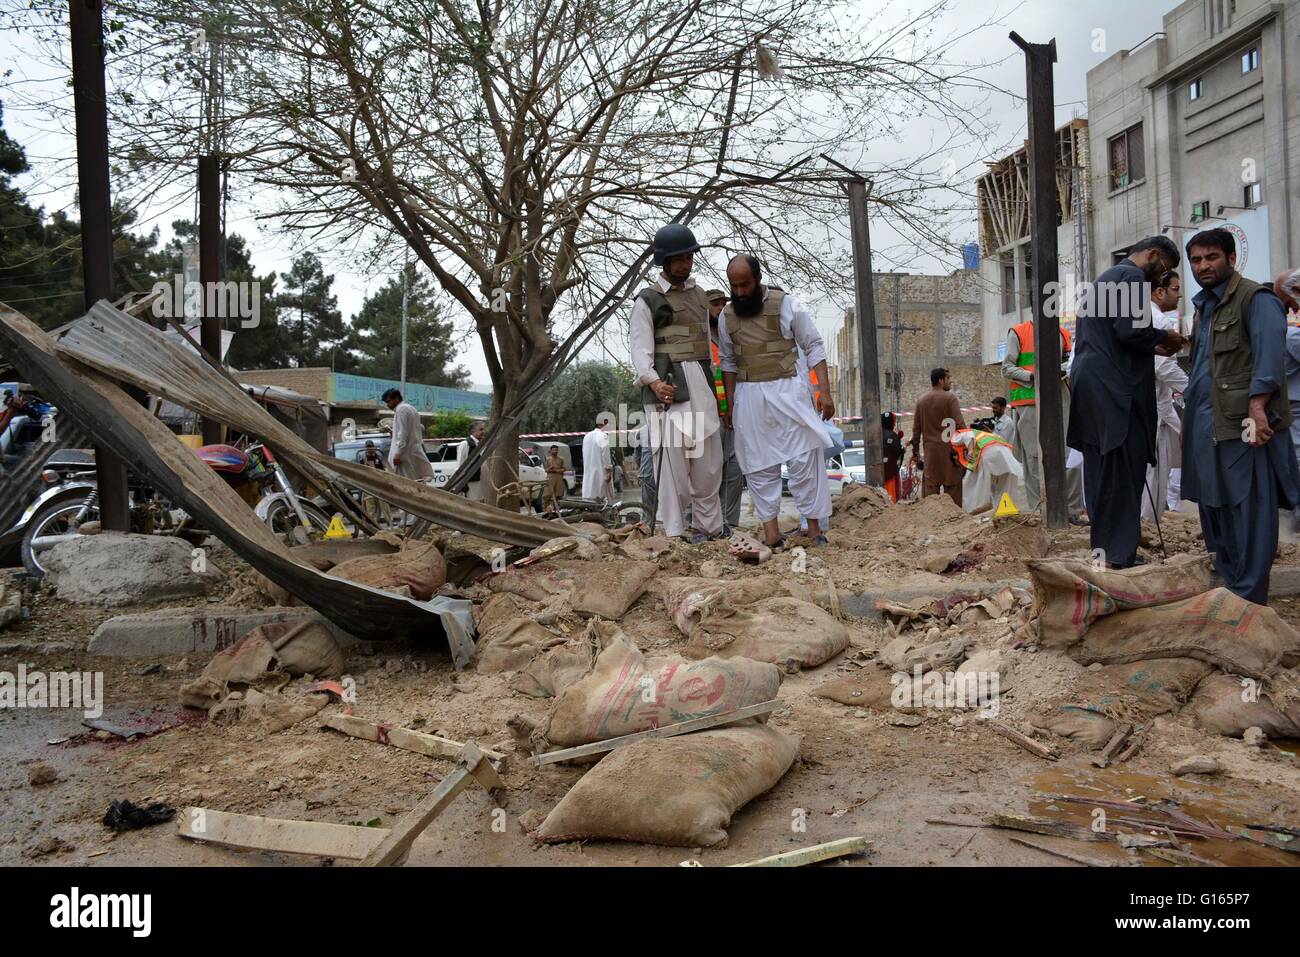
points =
(72, 501)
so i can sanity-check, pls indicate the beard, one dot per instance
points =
(750, 305)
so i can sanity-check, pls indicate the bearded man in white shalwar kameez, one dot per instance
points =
(777, 422)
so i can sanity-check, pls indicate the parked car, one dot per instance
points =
(841, 470)
(447, 456)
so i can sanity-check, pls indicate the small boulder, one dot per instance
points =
(1200, 764)
(113, 568)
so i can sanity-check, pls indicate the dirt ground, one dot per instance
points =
(857, 773)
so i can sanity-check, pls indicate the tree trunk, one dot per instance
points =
(502, 467)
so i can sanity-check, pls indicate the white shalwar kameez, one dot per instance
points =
(684, 439)
(776, 424)
(595, 461)
(1170, 378)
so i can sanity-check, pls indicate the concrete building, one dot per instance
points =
(1198, 126)
(922, 322)
(1002, 196)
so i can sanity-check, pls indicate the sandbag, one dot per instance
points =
(691, 601)
(603, 589)
(1216, 627)
(277, 648)
(1069, 594)
(678, 791)
(1223, 705)
(868, 688)
(627, 692)
(552, 671)
(419, 566)
(786, 631)
(508, 637)
(1130, 693)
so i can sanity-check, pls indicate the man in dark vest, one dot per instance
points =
(1238, 459)
(669, 332)
(1113, 401)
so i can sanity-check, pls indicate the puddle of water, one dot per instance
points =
(1217, 805)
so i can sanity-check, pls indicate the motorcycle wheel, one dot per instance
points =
(631, 515)
(51, 520)
(282, 520)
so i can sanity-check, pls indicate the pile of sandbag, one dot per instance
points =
(1161, 632)
(413, 569)
(751, 618)
(603, 589)
(509, 635)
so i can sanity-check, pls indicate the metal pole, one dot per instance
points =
(210, 270)
(1043, 203)
(405, 298)
(865, 312)
(90, 106)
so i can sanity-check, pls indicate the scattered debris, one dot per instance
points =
(40, 774)
(125, 816)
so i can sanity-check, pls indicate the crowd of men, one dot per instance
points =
(1159, 408)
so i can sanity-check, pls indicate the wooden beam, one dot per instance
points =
(1030, 745)
(430, 745)
(252, 833)
(667, 731)
(473, 766)
(811, 855)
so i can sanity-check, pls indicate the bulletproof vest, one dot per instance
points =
(762, 352)
(1232, 364)
(680, 318)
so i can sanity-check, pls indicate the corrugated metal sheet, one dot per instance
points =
(119, 423)
(131, 351)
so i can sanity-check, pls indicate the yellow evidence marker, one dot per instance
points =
(337, 529)
(1005, 507)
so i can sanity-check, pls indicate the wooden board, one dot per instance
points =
(404, 738)
(811, 855)
(252, 833)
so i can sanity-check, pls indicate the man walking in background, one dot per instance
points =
(406, 455)
(597, 466)
(1113, 379)
(555, 489)
(474, 490)
(935, 420)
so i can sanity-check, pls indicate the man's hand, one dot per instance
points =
(825, 405)
(397, 459)
(663, 391)
(1173, 343)
(1259, 418)
(726, 418)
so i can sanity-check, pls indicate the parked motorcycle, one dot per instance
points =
(72, 501)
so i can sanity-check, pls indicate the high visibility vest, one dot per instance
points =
(719, 389)
(1020, 393)
(970, 460)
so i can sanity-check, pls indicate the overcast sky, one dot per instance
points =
(1086, 34)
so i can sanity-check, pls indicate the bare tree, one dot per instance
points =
(526, 150)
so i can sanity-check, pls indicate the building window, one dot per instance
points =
(1250, 60)
(1254, 194)
(1201, 211)
(1195, 90)
(1127, 159)
(1008, 287)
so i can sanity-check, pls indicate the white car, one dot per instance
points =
(445, 457)
(841, 470)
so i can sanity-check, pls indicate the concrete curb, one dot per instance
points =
(200, 630)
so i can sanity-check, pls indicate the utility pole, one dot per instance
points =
(865, 306)
(210, 270)
(90, 105)
(405, 296)
(1044, 276)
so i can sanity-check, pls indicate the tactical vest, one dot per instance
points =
(1232, 363)
(762, 352)
(1021, 393)
(680, 318)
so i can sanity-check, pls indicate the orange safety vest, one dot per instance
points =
(982, 441)
(1018, 393)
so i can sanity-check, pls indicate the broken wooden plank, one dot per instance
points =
(1181, 858)
(1113, 745)
(1051, 828)
(253, 833)
(427, 744)
(667, 731)
(472, 767)
(1134, 744)
(811, 855)
(1076, 858)
(1030, 745)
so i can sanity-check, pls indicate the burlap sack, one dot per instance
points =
(1227, 705)
(785, 631)
(1127, 693)
(1216, 627)
(627, 692)
(508, 637)
(868, 688)
(283, 648)
(1069, 595)
(678, 791)
(419, 567)
(604, 589)
(690, 602)
(552, 671)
